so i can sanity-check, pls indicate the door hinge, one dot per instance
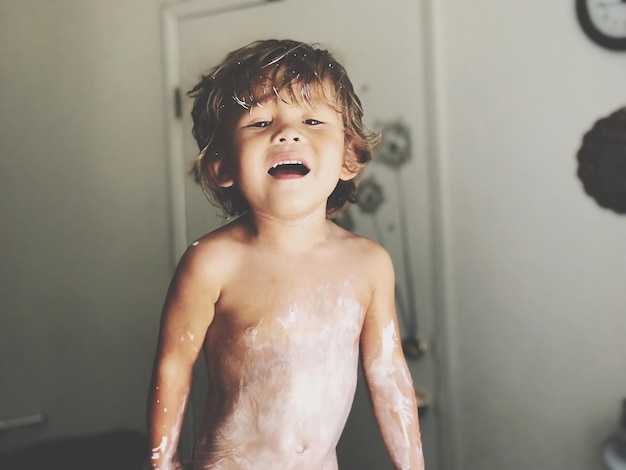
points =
(178, 103)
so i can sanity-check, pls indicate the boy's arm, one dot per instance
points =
(386, 372)
(187, 314)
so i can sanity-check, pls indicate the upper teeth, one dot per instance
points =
(288, 162)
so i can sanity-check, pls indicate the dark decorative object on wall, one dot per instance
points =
(602, 162)
(393, 151)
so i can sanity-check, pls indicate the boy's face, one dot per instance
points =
(287, 156)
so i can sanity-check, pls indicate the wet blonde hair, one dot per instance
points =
(286, 68)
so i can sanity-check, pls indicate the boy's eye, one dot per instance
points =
(260, 124)
(312, 122)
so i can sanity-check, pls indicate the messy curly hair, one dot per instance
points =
(288, 68)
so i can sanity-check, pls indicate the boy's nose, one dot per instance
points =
(288, 134)
(294, 138)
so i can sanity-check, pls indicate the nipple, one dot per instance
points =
(300, 448)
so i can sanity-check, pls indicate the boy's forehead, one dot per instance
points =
(296, 92)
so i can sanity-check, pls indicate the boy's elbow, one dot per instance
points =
(173, 369)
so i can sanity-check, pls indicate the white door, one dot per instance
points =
(380, 44)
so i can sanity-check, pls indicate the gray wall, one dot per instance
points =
(535, 269)
(84, 240)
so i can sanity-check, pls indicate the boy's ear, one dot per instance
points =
(351, 165)
(220, 173)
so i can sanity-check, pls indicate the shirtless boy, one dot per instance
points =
(280, 300)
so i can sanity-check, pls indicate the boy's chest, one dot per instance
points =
(263, 306)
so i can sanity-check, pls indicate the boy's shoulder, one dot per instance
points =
(211, 253)
(218, 239)
(366, 249)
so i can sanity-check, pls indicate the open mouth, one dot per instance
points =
(290, 168)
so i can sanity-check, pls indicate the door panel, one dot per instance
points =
(380, 45)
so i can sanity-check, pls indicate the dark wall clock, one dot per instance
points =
(602, 161)
(604, 21)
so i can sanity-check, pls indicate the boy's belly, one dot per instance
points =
(284, 414)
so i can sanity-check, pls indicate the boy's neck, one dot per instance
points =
(296, 235)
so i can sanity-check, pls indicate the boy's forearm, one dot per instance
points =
(166, 410)
(400, 431)
(395, 408)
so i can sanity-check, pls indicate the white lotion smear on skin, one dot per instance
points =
(297, 383)
(156, 452)
(190, 337)
(400, 408)
(165, 451)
